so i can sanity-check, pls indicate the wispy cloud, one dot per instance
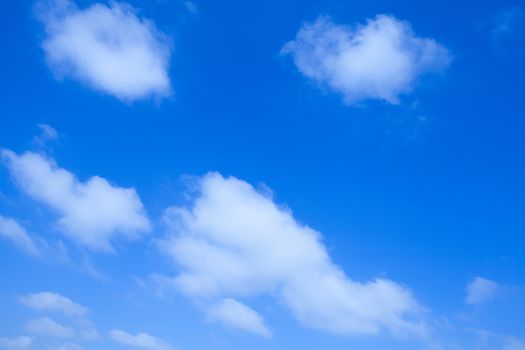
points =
(13, 231)
(234, 314)
(20, 343)
(48, 301)
(140, 340)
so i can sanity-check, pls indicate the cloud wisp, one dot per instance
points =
(381, 59)
(107, 47)
(141, 340)
(92, 213)
(13, 231)
(254, 247)
(49, 301)
(20, 343)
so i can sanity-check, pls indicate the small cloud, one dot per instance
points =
(234, 314)
(107, 47)
(481, 290)
(381, 59)
(48, 301)
(49, 328)
(141, 340)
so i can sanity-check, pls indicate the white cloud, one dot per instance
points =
(91, 213)
(47, 301)
(237, 315)
(49, 328)
(13, 231)
(481, 290)
(107, 47)
(141, 340)
(379, 60)
(20, 343)
(253, 247)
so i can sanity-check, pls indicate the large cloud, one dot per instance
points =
(109, 48)
(379, 60)
(91, 212)
(253, 247)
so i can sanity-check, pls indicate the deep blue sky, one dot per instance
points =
(429, 192)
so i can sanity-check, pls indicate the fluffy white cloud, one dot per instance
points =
(49, 328)
(13, 231)
(47, 301)
(107, 47)
(237, 315)
(253, 247)
(20, 343)
(141, 340)
(481, 290)
(379, 60)
(91, 212)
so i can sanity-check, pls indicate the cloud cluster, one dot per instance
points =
(107, 47)
(91, 212)
(379, 60)
(254, 247)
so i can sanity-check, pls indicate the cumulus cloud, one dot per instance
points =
(107, 47)
(141, 340)
(49, 328)
(381, 59)
(48, 301)
(237, 315)
(20, 343)
(13, 231)
(91, 213)
(255, 247)
(481, 290)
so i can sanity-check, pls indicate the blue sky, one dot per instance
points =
(275, 175)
